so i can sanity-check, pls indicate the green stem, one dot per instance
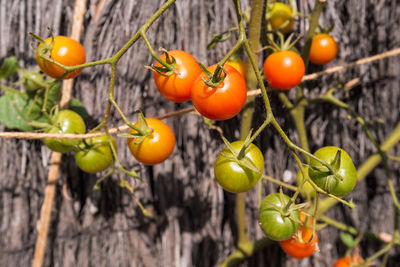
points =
(338, 225)
(279, 182)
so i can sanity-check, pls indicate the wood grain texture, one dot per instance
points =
(193, 222)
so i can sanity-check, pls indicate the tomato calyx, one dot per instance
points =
(213, 79)
(141, 131)
(167, 68)
(331, 169)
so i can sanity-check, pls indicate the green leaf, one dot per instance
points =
(17, 110)
(78, 107)
(9, 67)
(347, 239)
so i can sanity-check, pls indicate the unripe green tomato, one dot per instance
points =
(95, 155)
(274, 225)
(327, 181)
(231, 176)
(32, 81)
(65, 122)
(306, 189)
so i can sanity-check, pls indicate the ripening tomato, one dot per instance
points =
(328, 181)
(284, 70)
(177, 87)
(309, 244)
(276, 226)
(65, 122)
(94, 154)
(156, 147)
(65, 51)
(240, 66)
(233, 177)
(224, 101)
(323, 49)
(348, 261)
(278, 15)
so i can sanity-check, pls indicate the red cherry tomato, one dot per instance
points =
(303, 250)
(177, 86)
(323, 49)
(348, 261)
(223, 102)
(284, 70)
(65, 51)
(156, 147)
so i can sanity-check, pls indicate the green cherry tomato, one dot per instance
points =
(275, 225)
(33, 81)
(328, 181)
(65, 122)
(94, 154)
(236, 178)
(306, 189)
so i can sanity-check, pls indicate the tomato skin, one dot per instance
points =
(297, 250)
(156, 147)
(231, 176)
(278, 15)
(177, 87)
(348, 261)
(284, 70)
(325, 180)
(65, 51)
(65, 122)
(274, 225)
(223, 102)
(240, 66)
(97, 156)
(323, 49)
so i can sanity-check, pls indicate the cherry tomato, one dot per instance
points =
(177, 87)
(236, 178)
(94, 154)
(299, 250)
(348, 261)
(156, 147)
(223, 102)
(65, 122)
(33, 81)
(306, 189)
(328, 181)
(276, 226)
(240, 66)
(284, 70)
(278, 15)
(65, 51)
(323, 49)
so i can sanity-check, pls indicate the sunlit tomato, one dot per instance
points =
(65, 122)
(236, 178)
(65, 51)
(275, 225)
(239, 65)
(299, 250)
(177, 86)
(156, 147)
(94, 154)
(224, 101)
(329, 182)
(284, 70)
(323, 49)
(348, 261)
(278, 15)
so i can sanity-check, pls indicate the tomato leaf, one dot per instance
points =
(347, 239)
(9, 67)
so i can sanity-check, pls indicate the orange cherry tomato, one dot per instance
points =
(299, 250)
(348, 261)
(323, 49)
(224, 101)
(177, 86)
(65, 51)
(284, 70)
(240, 66)
(156, 147)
